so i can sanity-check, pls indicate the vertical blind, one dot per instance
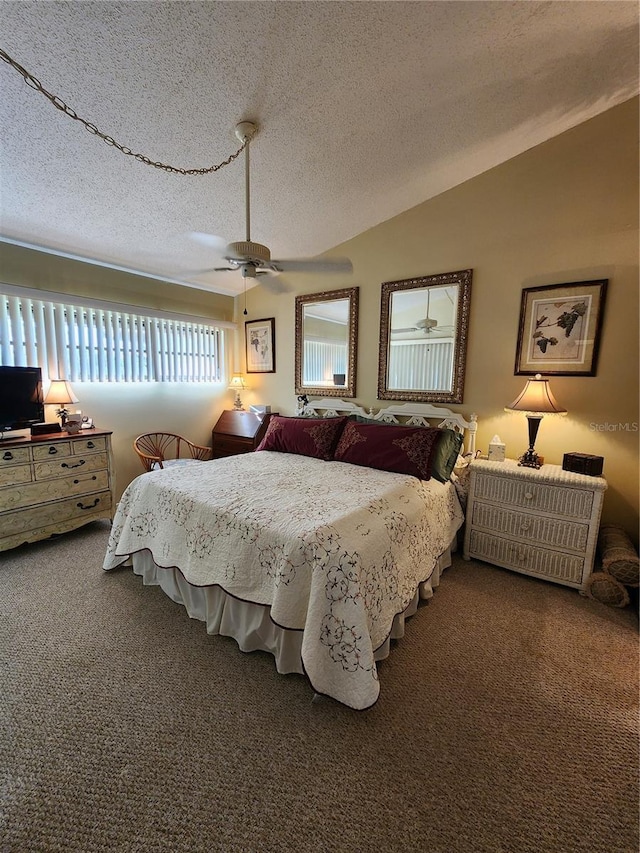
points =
(415, 365)
(91, 344)
(321, 360)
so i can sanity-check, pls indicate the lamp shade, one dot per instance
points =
(60, 393)
(536, 398)
(238, 382)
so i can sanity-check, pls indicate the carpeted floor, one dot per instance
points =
(508, 721)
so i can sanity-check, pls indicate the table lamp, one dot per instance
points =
(536, 400)
(238, 384)
(60, 394)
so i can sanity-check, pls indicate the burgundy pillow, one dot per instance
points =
(403, 449)
(315, 437)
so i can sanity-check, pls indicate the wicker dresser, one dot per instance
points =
(54, 483)
(539, 522)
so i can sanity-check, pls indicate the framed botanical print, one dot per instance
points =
(260, 336)
(559, 332)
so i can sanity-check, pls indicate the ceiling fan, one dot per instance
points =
(427, 324)
(254, 259)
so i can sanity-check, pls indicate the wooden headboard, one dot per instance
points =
(411, 414)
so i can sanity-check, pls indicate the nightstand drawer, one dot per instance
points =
(541, 497)
(546, 563)
(554, 532)
(223, 446)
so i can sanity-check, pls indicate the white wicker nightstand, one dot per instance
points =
(538, 522)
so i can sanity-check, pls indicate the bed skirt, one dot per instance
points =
(250, 624)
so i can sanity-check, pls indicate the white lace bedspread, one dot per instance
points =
(335, 550)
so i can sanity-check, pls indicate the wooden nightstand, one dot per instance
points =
(238, 432)
(542, 522)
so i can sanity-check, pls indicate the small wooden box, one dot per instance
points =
(583, 463)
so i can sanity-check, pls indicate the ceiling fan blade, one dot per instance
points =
(273, 284)
(194, 273)
(326, 265)
(401, 331)
(210, 240)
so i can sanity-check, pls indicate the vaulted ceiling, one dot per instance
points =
(365, 109)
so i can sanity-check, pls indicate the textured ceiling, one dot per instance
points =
(365, 110)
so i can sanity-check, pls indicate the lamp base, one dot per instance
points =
(237, 403)
(530, 459)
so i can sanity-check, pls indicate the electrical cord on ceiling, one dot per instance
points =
(59, 104)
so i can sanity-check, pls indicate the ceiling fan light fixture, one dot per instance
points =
(248, 249)
(426, 324)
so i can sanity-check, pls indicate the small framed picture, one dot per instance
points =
(261, 345)
(559, 333)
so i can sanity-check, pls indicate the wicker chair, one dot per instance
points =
(163, 449)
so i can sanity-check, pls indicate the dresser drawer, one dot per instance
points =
(71, 465)
(31, 494)
(541, 529)
(15, 474)
(13, 456)
(542, 497)
(532, 560)
(47, 515)
(88, 445)
(51, 451)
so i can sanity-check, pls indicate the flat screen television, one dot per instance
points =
(21, 401)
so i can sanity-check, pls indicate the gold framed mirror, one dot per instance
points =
(326, 343)
(424, 324)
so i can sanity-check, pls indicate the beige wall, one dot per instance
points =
(129, 409)
(564, 211)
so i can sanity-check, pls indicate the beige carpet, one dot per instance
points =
(507, 722)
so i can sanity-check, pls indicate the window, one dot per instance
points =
(105, 342)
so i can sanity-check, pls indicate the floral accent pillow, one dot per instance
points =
(402, 449)
(315, 437)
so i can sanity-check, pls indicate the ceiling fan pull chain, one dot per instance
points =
(59, 104)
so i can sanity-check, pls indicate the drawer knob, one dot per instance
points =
(69, 465)
(53, 451)
(524, 525)
(7, 455)
(528, 495)
(90, 444)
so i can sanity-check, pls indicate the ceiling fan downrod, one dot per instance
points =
(245, 131)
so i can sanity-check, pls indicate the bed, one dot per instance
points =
(316, 560)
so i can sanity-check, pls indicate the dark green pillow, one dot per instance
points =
(444, 456)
